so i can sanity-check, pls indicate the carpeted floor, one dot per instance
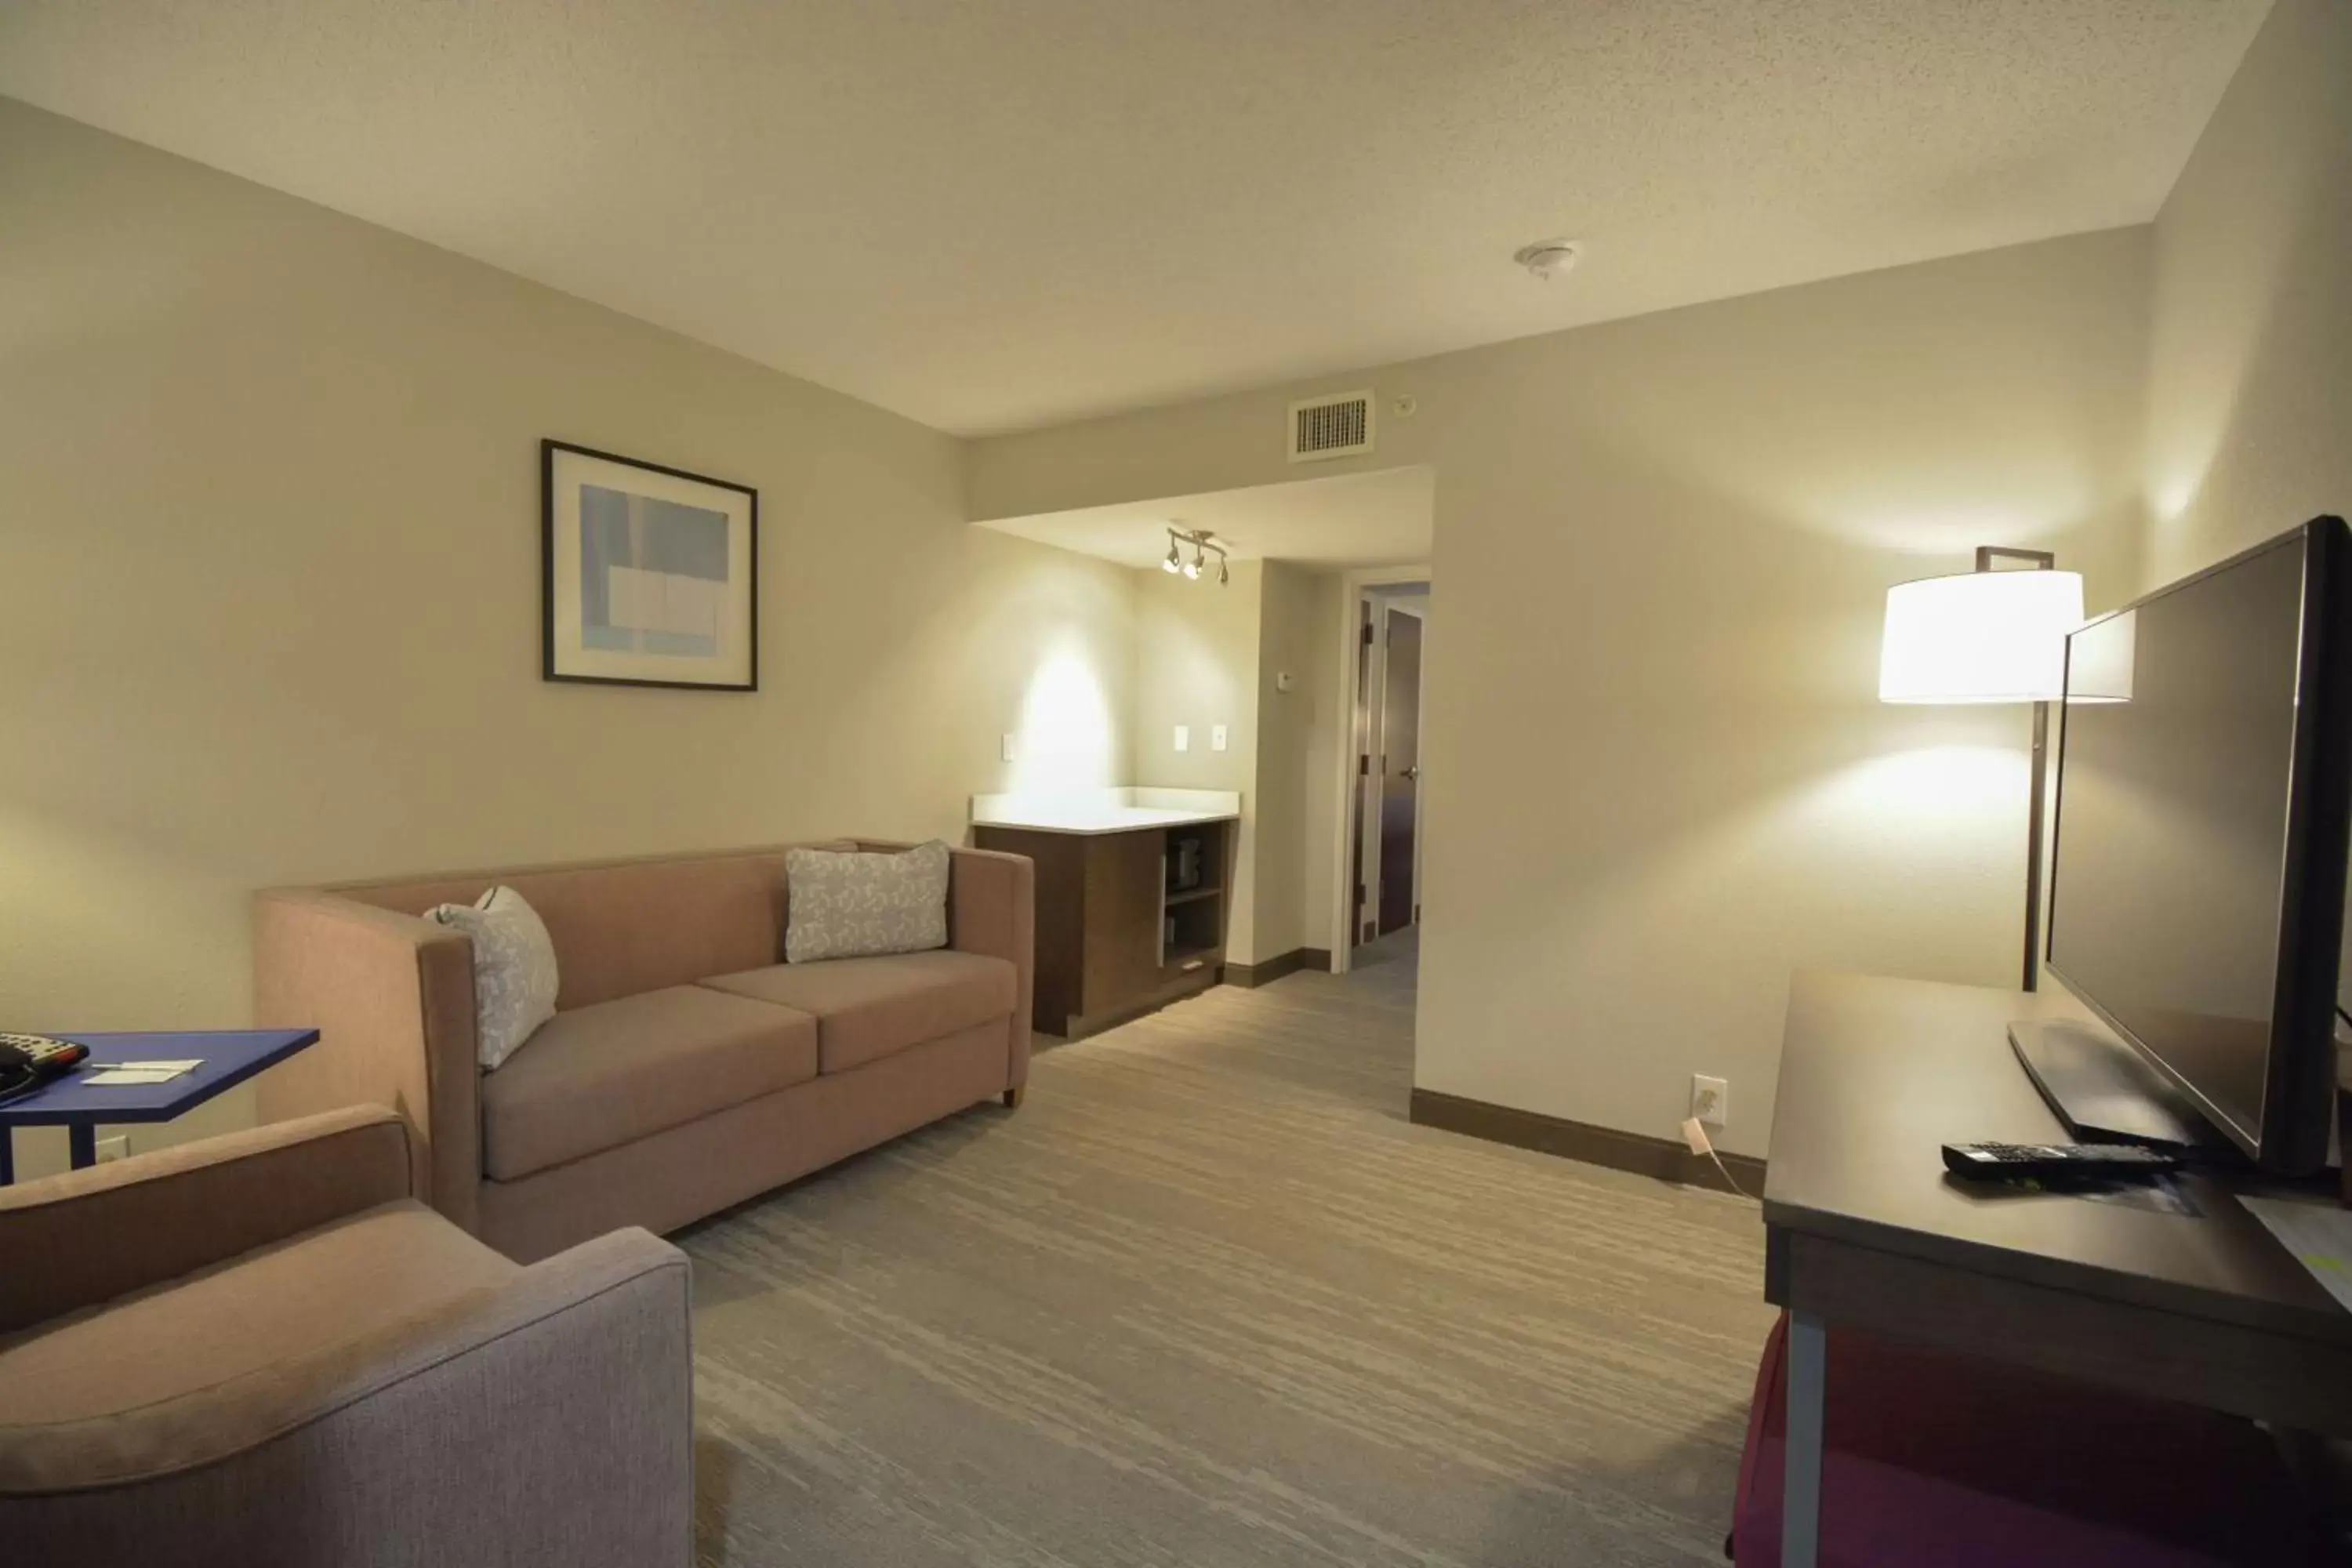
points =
(1208, 1298)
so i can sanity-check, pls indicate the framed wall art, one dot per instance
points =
(649, 575)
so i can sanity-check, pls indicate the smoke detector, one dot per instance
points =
(1548, 259)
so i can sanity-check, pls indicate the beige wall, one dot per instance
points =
(1196, 659)
(270, 586)
(1322, 691)
(1296, 634)
(2250, 395)
(269, 562)
(1208, 654)
(1659, 777)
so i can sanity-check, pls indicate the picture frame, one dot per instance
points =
(649, 574)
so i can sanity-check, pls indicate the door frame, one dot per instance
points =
(1345, 785)
(1388, 610)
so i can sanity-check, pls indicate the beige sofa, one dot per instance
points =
(259, 1351)
(686, 1069)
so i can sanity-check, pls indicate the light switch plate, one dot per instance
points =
(1008, 746)
(1217, 737)
(1183, 737)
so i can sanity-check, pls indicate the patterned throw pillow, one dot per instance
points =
(858, 905)
(515, 978)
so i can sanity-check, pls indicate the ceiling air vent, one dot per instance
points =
(1337, 426)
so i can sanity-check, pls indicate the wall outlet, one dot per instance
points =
(1710, 1101)
(1217, 737)
(1183, 737)
(115, 1148)
(1008, 746)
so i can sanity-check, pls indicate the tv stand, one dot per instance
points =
(2104, 1091)
(1864, 1229)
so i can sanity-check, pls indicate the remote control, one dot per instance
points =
(2006, 1162)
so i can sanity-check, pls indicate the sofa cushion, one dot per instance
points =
(865, 905)
(515, 973)
(595, 1077)
(868, 1008)
(352, 1277)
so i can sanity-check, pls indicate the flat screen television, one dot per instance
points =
(2204, 803)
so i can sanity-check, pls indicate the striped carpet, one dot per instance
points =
(1208, 1298)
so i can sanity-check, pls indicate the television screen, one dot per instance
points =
(2193, 841)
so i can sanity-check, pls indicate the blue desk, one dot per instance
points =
(229, 1056)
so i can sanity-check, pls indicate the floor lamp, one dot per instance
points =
(1989, 635)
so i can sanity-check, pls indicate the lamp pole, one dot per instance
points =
(2037, 802)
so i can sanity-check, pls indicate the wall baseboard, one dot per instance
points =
(1662, 1158)
(1251, 975)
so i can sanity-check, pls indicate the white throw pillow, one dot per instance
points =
(515, 978)
(858, 905)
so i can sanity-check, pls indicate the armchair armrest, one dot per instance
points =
(86, 1236)
(546, 1419)
(391, 997)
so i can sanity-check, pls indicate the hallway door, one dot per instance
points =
(1400, 771)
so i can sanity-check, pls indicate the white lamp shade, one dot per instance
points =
(1979, 637)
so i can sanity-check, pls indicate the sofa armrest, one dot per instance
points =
(391, 997)
(74, 1240)
(549, 1419)
(992, 910)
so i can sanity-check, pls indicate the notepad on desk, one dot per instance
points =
(138, 1075)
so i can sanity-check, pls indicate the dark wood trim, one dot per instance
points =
(1249, 976)
(1078, 1027)
(1662, 1158)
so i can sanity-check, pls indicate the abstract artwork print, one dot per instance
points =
(653, 573)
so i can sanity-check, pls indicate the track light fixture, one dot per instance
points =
(1204, 544)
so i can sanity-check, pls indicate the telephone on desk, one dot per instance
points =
(29, 1061)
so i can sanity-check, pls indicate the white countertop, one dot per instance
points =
(1119, 819)
(1123, 810)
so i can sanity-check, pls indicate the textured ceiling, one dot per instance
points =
(991, 216)
(1378, 518)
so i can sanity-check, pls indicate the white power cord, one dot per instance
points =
(1696, 1136)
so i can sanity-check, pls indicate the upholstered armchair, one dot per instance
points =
(259, 1351)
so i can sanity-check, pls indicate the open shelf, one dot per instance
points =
(1194, 925)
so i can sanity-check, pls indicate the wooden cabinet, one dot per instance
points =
(1119, 931)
